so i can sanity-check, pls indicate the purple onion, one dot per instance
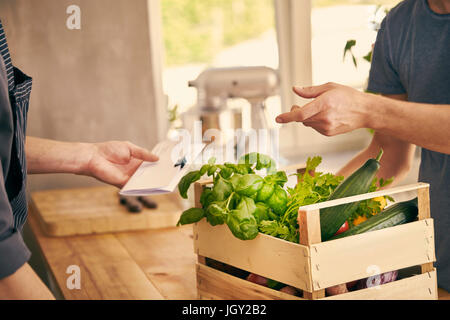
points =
(379, 279)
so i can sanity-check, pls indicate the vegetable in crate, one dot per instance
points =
(370, 207)
(332, 218)
(313, 187)
(397, 214)
(238, 197)
(377, 280)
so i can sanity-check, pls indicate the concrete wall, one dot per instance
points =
(92, 84)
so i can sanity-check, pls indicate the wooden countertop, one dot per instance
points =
(147, 265)
(153, 264)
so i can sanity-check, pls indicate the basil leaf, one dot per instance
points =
(279, 178)
(212, 161)
(216, 213)
(247, 204)
(206, 197)
(241, 225)
(278, 201)
(241, 221)
(204, 169)
(249, 184)
(262, 161)
(222, 188)
(212, 169)
(265, 192)
(190, 216)
(186, 182)
(262, 212)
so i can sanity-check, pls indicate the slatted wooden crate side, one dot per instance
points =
(419, 287)
(213, 284)
(372, 253)
(266, 256)
(384, 250)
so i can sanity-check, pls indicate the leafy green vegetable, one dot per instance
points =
(368, 208)
(222, 188)
(242, 223)
(275, 285)
(279, 178)
(262, 162)
(312, 187)
(265, 192)
(278, 200)
(249, 203)
(231, 199)
(192, 215)
(186, 182)
(216, 213)
(248, 184)
(206, 197)
(262, 212)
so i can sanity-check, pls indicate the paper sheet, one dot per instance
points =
(164, 175)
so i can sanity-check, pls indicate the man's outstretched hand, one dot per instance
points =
(335, 109)
(114, 162)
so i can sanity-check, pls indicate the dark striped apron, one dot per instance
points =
(19, 87)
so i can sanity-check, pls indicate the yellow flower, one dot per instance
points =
(359, 220)
(382, 201)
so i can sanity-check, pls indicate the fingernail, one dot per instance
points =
(299, 88)
(279, 120)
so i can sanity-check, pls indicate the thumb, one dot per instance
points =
(314, 91)
(142, 154)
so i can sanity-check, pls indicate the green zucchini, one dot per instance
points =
(332, 218)
(397, 214)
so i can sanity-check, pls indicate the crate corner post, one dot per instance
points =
(423, 204)
(309, 227)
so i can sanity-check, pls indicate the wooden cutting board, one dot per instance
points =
(97, 210)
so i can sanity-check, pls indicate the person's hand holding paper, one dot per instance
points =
(162, 176)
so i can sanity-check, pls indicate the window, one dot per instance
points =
(199, 34)
(334, 22)
(311, 35)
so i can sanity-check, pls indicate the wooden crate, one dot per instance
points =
(312, 265)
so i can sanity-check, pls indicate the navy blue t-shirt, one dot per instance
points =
(412, 56)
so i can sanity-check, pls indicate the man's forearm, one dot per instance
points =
(425, 125)
(48, 156)
(394, 163)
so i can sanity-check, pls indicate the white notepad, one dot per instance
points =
(164, 175)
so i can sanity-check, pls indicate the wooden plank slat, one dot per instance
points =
(216, 285)
(267, 256)
(365, 196)
(384, 250)
(419, 287)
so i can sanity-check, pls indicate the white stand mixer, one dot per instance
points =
(255, 84)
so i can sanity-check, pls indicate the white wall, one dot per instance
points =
(92, 84)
